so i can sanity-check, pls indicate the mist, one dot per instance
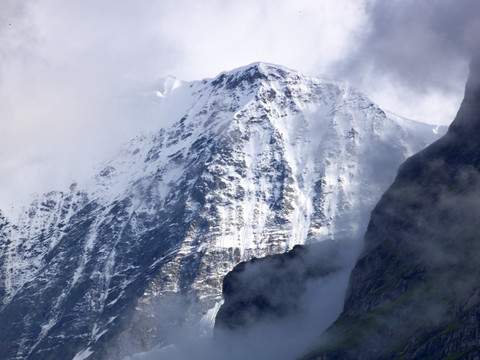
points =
(281, 304)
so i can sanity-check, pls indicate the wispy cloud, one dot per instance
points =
(415, 56)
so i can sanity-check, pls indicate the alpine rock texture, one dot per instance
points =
(248, 164)
(415, 291)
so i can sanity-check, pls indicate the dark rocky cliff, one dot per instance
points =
(415, 290)
(271, 303)
(271, 288)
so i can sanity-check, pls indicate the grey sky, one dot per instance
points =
(416, 50)
(64, 64)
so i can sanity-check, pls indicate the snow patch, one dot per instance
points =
(82, 355)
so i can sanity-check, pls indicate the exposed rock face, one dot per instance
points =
(272, 304)
(414, 292)
(249, 164)
(271, 288)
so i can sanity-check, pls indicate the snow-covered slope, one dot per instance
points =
(247, 164)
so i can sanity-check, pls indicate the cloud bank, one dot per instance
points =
(70, 72)
(414, 59)
(68, 68)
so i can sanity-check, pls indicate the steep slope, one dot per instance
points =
(250, 163)
(414, 293)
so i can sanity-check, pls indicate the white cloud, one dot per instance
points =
(305, 35)
(64, 63)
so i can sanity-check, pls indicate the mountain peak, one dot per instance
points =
(261, 67)
(248, 164)
(251, 74)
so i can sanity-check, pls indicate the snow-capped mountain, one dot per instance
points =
(248, 164)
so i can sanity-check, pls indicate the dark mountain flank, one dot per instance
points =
(265, 290)
(415, 290)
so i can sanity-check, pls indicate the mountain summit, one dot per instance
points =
(248, 164)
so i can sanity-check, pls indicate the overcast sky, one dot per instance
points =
(64, 63)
